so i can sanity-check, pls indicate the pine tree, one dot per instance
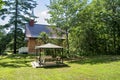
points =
(19, 12)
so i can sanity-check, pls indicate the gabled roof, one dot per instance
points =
(48, 45)
(34, 31)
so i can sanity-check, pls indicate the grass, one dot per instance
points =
(17, 67)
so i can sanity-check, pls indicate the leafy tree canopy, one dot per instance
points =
(1, 3)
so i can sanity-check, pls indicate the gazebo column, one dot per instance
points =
(55, 52)
(40, 55)
(36, 53)
(62, 55)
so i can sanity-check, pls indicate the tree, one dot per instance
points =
(62, 13)
(112, 21)
(43, 38)
(98, 28)
(1, 4)
(4, 41)
(91, 32)
(93, 27)
(20, 39)
(1, 32)
(19, 12)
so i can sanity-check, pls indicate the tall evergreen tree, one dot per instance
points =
(19, 12)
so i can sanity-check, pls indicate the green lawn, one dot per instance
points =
(17, 67)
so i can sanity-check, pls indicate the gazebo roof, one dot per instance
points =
(48, 45)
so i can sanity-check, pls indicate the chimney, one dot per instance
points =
(31, 23)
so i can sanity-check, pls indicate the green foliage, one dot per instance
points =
(20, 12)
(2, 32)
(20, 39)
(112, 21)
(43, 38)
(1, 4)
(4, 41)
(93, 26)
(63, 13)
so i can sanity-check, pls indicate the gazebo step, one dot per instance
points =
(36, 64)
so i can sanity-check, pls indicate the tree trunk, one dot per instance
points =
(16, 14)
(67, 41)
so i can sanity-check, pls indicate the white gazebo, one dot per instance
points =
(49, 46)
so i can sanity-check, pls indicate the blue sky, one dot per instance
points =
(40, 11)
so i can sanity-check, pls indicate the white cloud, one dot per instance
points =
(42, 16)
(3, 22)
(45, 13)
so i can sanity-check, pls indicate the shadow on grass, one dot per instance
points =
(23, 60)
(16, 60)
(56, 66)
(15, 64)
(96, 59)
(20, 56)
